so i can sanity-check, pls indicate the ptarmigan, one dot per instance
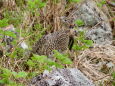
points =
(59, 40)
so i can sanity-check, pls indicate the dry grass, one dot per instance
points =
(94, 63)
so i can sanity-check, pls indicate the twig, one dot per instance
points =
(102, 77)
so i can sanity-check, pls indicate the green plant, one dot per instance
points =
(33, 5)
(79, 22)
(20, 3)
(3, 22)
(14, 17)
(101, 3)
(75, 1)
(81, 41)
(43, 63)
(63, 58)
(113, 78)
(9, 77)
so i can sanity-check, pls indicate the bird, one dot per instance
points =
(60, 40)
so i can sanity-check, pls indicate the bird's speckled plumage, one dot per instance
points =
(58, 40)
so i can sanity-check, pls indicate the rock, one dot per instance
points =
(110, 65)
(23, 44)
(96, 22)
(62, 77)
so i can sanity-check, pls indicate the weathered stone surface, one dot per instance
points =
(95, 21)
(62, 77)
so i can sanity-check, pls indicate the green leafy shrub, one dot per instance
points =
(9, 77)
(81, 41)
(76, 1)
(79, 22)
(42, 62)
(3, 22)
(33, 5)
(63, 58)
(101, 3)
(13, 17)
(113, 78)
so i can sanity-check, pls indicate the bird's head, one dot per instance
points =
(68, 23)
